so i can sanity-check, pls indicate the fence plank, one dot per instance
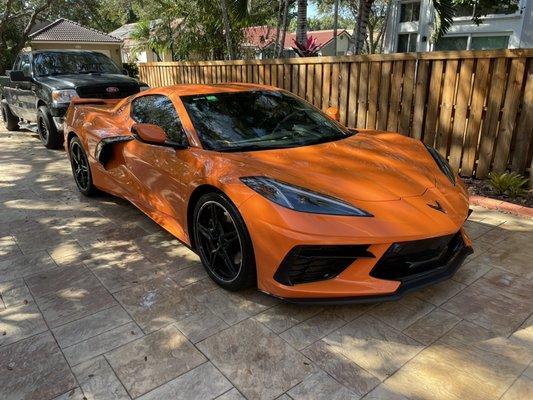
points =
(343, 92)
(334, 99)
(464, 87)
(435, 85)
(421, 90)
(488, 132)
(362, 105)
(394, 105)
(524, 128)
(373, 93)
(352, 96)
(326, 86)
(446, 107)
(510, 109)
(317, 91)
(383, 101)
(310, 76)
(474, 121)
(407, 96)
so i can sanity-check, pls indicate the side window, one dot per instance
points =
(159, 110)
(25, 64)
(16, 64)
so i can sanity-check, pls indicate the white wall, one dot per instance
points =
(518, 26)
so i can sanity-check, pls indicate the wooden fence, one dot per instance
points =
(475, 107)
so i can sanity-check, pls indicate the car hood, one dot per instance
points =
(366, 166)
(72, 81)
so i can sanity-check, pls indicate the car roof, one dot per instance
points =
(196, 89)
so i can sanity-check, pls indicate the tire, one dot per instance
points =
(236, 251)
(80, 168)
(48, 133)
(10, 120)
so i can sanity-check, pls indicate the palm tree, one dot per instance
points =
(227, 29)
(335, 24)
(301, 22)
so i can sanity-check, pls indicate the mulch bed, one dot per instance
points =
(477, 187)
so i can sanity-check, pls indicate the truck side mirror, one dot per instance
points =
(18, 76)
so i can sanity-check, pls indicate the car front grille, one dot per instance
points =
(315, 263)
(108, 91)
(405, 261)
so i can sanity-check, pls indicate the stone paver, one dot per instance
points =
(98, 302)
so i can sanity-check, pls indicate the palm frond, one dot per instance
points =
(444, 13)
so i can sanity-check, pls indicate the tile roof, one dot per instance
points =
(263, 36)
(64, 30)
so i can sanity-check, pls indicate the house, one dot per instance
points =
(410, 27)
(69, 35)
(130, 50)
(260, 40)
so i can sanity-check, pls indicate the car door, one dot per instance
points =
(158, 169)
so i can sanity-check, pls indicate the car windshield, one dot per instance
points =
(57, 63)
(258, 120)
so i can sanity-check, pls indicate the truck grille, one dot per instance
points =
(108, 91)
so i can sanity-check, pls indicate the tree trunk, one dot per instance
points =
(227, 29)
(284, 27)
(335, 24)
(362, 20)
(301, 22)
(278, 28)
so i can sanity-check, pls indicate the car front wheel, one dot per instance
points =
(223, 243)
(80, 168)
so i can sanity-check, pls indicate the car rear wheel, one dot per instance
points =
(10, 120)
(80, 168)
(48, 133)
(223, 243)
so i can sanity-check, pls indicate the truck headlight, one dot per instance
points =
(63, 96)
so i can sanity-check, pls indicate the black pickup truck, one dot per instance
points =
(42, 83)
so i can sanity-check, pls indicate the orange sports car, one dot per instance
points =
(269, 190)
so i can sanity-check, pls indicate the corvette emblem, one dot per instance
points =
(112, 89)
(437, 207)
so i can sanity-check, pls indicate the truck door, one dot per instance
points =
(11, 91)
(26, 90)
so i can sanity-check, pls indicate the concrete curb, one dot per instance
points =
(500, 205)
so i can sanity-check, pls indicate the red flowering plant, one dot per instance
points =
(308, 49)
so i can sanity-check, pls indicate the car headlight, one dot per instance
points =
(63, 96)
(300, 199)
(142, 88)
(442, 163)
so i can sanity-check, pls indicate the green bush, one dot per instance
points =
(511, 184)
(132, 68)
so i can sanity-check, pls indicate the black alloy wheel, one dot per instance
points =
(80, 168)
(48, 133)
(223, 243)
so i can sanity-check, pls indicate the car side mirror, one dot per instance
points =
(153, 134)
(18, 76)
(333, 113)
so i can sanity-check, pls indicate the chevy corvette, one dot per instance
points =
(270, 191)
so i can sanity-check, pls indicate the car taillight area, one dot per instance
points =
(406, 261)
(108, 91)
(309, 263)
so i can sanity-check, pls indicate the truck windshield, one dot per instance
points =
(57, 63)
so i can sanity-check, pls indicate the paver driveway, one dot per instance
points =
(98, 302)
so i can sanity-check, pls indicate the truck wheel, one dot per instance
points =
(11, 121)
(50, 136)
